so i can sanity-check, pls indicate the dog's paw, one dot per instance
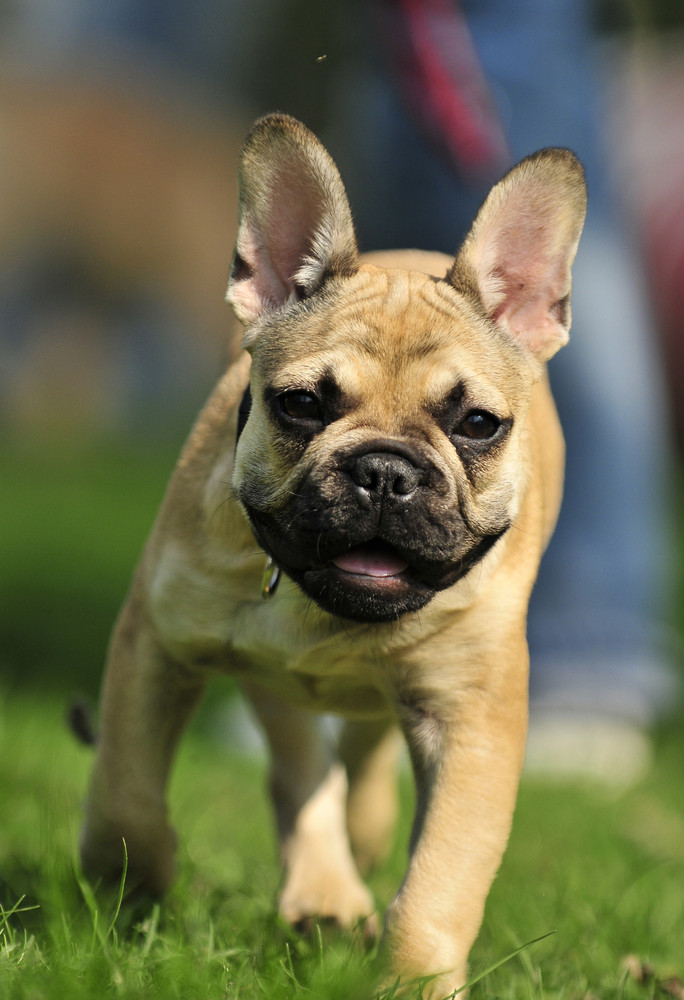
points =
(143, 857)
(343, 902)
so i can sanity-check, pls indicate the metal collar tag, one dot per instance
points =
(270, 579)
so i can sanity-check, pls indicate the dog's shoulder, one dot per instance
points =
(200, 490)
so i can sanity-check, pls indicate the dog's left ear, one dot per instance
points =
(295, 228)
(516, 260)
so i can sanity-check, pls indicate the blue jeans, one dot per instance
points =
(596, 627)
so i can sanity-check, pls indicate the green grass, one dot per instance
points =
(605, 874)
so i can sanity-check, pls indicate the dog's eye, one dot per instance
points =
(300, 405)
(478, 425)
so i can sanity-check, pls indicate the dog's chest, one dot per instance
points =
(214, 618)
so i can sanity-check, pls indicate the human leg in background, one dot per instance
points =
(601, 658)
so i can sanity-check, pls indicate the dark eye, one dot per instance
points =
(478, 425)
(300, 405)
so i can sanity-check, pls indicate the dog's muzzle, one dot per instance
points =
(374, 536)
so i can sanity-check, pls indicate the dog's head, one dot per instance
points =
(384, 452)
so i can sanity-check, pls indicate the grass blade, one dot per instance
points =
(497, 965)
(122, 888)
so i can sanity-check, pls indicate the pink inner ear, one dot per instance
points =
(275, 238)
(535, 321)
(259, 286)
(290, 219)
(527, 278)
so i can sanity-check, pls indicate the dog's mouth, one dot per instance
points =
(373, 581)
(369, 580)
(375, 560)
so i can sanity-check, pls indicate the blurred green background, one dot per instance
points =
(74, 519)
(117, 219)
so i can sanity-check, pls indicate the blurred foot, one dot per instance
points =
(566, 747)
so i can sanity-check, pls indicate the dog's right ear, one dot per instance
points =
(295, 226)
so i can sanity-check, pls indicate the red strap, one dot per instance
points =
(439, 76)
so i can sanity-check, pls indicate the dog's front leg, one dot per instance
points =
(146, 700)
(309, 790)
(467, 756)
(370, 750)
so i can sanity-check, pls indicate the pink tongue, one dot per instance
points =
(366, 561)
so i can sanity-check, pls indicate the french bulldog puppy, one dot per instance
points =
(386, 451)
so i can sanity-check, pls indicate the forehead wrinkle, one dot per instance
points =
(421, 337)
(411, 322)
(428, 375)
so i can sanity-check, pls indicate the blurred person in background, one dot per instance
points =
(465, 91)
(423, 104)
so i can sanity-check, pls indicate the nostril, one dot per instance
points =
(405, 484)
(366, 474)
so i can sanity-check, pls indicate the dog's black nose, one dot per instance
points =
(383, 474)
